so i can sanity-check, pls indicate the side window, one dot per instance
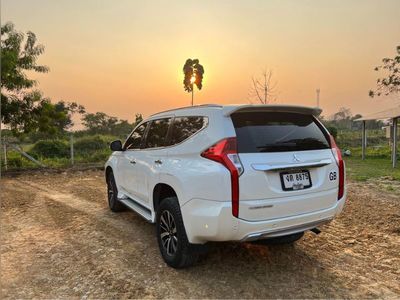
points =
(157, 134)
(135, 139)
(185, 127)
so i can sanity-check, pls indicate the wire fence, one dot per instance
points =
(92, 151)
(83, 152)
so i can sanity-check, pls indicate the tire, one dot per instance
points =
(112, 194)
(174, 246)
(281, 240)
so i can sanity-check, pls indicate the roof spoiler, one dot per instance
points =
(315, 111)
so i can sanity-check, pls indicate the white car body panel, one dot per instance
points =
(203, 186)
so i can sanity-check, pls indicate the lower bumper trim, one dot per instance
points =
(284, 231)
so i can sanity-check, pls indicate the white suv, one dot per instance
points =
(263, 173)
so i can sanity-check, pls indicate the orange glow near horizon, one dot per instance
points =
(125, 57)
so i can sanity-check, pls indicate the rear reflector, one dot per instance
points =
(225, 152)
(339, 160)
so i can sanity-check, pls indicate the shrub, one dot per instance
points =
(333, 131)
(90, 144)
(100, 156)
(50, 149)
(15, 162)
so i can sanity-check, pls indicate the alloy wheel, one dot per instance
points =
(110, 191)
(168, 234)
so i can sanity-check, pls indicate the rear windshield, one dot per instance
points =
(277, 132)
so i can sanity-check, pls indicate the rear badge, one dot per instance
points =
(296, 158)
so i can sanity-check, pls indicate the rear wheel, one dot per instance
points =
(281, 240)
(112, 194)
(174, 246)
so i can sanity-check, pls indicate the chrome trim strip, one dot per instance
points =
(267, 167)
(284, 231)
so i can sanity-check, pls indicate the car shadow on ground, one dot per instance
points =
(236, 270)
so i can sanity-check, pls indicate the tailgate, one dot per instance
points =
(289, 168)
(263, 194)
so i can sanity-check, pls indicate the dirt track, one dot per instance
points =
(60, 240)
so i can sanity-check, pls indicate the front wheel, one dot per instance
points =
(171, 235)
(112, 194)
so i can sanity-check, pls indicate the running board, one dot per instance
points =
(137, 207)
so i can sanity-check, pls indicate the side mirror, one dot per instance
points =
(116, 145)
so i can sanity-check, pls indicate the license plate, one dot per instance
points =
(297, 180)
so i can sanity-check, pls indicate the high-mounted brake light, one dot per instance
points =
(225, 152)
(339, 160)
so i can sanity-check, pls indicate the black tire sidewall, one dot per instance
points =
(172, 206)
(113, 203)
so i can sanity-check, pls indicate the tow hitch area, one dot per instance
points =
(316, 230)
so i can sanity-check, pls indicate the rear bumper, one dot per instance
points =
(213, 221)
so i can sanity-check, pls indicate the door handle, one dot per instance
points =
(133, 161)
(158, 162)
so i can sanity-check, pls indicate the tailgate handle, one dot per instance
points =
(315, 164)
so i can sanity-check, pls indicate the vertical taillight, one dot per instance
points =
(339, 160)
(225, 152)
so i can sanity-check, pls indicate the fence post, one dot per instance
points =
(394, 143)
(5, 156)
(72, 148)
(363, 140)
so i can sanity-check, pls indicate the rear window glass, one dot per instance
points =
(157, 134)
(277, 132)
(185, 127)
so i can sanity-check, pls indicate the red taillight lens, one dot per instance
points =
(225, 152)
(339, 160)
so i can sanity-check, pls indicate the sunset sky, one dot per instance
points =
(125, 57)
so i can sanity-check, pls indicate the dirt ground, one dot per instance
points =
(58, 239)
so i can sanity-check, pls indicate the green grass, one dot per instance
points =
(371, 168)
(377, 165)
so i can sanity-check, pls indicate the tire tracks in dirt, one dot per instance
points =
(61, 240)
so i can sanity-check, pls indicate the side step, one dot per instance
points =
(140, 209)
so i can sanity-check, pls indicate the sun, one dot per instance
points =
(193, 79)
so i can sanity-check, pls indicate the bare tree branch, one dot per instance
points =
(263, 89)
(256, 88)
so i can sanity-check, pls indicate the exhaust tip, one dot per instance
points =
(316, 230)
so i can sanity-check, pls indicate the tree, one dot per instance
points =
(342, 118)
(25, 110)
(98, 122)
(138, 119)
(345, 120)
(391, 83)
(263, 89)
(69, 109)
(17, 56)
(193, 75)
(32, 114)
(343, 114)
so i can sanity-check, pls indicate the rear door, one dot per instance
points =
(151, 159)
(288, 165)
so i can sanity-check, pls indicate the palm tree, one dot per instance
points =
(193, 72)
